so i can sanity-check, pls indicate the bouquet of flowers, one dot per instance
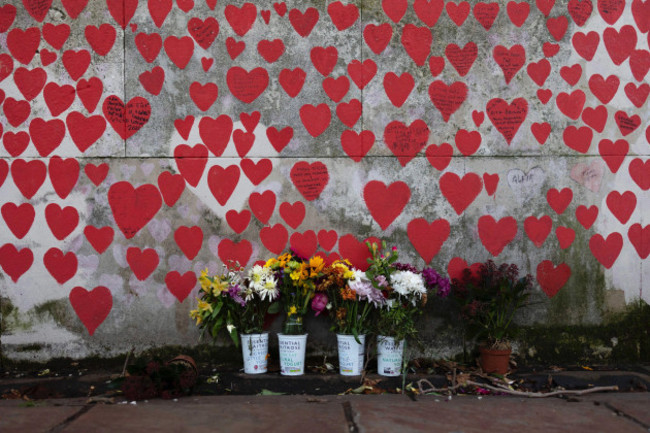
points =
(405, 289)
(349, 293)
(297, 279)
(236, 300)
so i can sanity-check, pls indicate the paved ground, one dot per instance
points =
(603, 412)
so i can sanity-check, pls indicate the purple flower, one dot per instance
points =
(381, 281)
(319, 303)
(233, 292)
(432, 279)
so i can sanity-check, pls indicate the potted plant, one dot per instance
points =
(238, 302)
(297, 282)
(489, 296)
(351, 297)
(406, 290)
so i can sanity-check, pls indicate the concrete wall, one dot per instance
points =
(145, 141)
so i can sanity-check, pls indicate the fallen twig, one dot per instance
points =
(449, 389)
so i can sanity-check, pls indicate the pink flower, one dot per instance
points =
(319, 303)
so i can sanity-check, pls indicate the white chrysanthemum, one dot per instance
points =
(407, 282)
(269, 289)
(248, 293)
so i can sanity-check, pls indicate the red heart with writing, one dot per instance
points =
(518, 12)
(611, 10)
(204, 32)
(427, 238)
(462, 59)
(580, 10)
(507, 118)
(496, 235)
(552, 278)
(133, 207)
(510, 60)
(406, 142)
(92, 307)
(309, 179)
(447, 99)
(626, 124)
(486, 13)
(127, 119)
(247, 86)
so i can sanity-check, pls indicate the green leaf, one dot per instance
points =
(274, 308)
(267, 392)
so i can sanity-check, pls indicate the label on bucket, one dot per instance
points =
(292, 354)
(350, 355)
(389, 356)
(255, 351)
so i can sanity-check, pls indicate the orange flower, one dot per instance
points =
(347, 294)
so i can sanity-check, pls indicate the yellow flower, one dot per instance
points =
(204, 306)
(295, 275)
(218, 286)
(292, 310)
(270, 262)
(194, 314)
(316, 264)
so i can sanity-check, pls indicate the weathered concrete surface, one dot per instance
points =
(452, 161)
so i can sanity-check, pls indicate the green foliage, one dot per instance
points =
(488, 300)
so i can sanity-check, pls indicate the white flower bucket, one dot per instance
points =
(389, 356)
(255, 349)
(350, 354)
(292, 354)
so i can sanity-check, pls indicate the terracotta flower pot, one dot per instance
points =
(495, 361)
